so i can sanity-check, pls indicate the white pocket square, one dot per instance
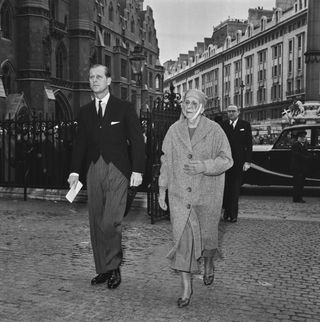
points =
(113, 123)
(241, 129)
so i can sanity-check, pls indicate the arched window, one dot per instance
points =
(111, 12)
(8, 78)
(61, 61)
(132, 25)
(6, 20)
(157, 82)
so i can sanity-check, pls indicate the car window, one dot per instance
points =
(317, 138)
(288, 137)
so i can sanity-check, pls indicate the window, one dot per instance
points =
(124, 68)
(107, 39)
(8, 78)
(196, 83)
(290, 66)
(299, 41)
(111, 12)
(290, 45)
(158, 82)
(150, 80)
(288, 137)
(262, 57)
(190, 84)
(6, 20)
(299, 63)
(108, 63)
(61, 61)
(132, 25)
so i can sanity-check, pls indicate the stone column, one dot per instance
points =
(32, 32)
(313, 52)
(81, 33)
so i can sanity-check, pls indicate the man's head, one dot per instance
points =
(100, 80)
(233, 112)
(301, 136)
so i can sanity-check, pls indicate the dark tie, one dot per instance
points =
(100, 111)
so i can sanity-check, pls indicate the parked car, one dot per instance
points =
(271, 164)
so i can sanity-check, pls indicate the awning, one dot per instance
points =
(49, 92)
(2, 91)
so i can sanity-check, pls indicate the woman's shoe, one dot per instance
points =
(182, 302)
(208, 280)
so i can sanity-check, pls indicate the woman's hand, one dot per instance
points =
(194, 167)
(162, 200)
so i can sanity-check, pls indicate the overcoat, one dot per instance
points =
(201, 194)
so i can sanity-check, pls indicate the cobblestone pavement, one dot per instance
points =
(269, 270)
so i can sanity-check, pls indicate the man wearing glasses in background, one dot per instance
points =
(240, 138)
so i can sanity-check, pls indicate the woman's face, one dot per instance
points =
(191, 107)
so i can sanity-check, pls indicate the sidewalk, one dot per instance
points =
(270, 269)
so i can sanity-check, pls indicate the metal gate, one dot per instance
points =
(165, 112)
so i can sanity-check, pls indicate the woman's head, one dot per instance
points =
(193, 104)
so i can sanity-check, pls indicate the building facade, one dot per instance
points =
(260, 66)
(47, 47)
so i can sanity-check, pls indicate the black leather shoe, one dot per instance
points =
(299, 201)
(100, 278)
(233, 220)
(115, 279)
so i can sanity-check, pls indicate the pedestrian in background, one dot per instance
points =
(196, 153)
(299, 165)
(240, 138)
(105, 126)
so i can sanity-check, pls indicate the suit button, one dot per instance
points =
(189, 156)
(188, 206)
(189, 189)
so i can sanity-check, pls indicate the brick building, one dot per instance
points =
(260, 64)
(47, 47)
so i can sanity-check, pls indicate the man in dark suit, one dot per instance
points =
(105, 126)
(299, 165)
(240, 139)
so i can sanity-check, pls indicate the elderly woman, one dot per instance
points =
(196, 153)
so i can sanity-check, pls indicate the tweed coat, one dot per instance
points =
(199, 194)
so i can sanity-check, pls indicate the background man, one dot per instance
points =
(240, 139)
(299, 165)
(105, 126)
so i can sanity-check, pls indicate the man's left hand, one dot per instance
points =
(246, 166)
(136, 179)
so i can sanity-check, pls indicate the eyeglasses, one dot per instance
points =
(193, 104)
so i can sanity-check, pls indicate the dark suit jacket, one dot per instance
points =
(240, 139)
(110, 137)
(299, 158)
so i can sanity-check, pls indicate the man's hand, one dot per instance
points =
(194, 167)
(73, 180)
(162, 199)
(136, 179)
(246, 166)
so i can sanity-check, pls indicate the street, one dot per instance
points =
(269, 268)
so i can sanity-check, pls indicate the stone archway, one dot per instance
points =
(63, 111)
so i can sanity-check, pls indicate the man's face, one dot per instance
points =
(302, 138)
(99, 82)
(233, 113)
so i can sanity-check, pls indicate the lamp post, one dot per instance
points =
(242, 86)
(137, 60)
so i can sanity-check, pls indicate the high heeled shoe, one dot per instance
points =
(208, 279)
(183, 302)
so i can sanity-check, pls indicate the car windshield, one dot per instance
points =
(288, 137)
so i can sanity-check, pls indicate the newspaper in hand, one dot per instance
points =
(73, 192)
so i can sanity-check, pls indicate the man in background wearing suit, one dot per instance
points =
(105, 126)
(299, 165)
(240, 139)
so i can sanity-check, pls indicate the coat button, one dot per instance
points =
(100, 127)
(189, 189)
(189, 156)
(188, 206)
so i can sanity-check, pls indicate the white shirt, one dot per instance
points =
(234, 123)
(104, 102)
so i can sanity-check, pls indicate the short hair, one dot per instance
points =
(106, 69)
(197, 93)
(233, 105)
